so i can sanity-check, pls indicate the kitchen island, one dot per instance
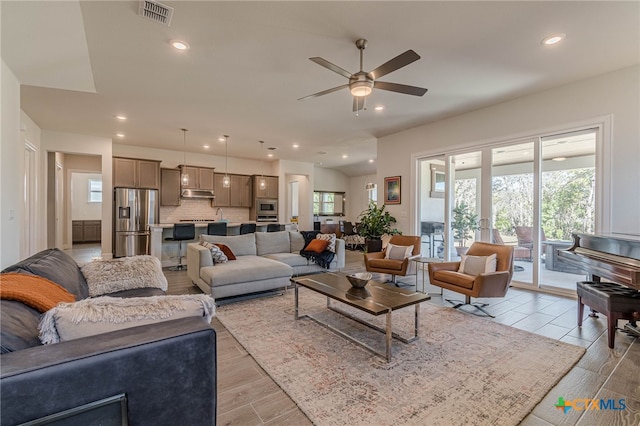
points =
(167, 251)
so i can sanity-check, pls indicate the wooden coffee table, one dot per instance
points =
(376, 299)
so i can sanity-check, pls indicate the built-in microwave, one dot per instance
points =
(266, 206)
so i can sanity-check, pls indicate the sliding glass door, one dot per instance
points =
(567, 201)
(512, 193)
(531, 194)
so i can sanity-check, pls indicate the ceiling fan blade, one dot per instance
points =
(333, 67)
(324, 92)
(400, 88)
(398, 62)
(358, 103)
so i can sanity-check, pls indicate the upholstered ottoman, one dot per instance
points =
(614, 300)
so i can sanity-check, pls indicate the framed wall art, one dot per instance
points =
(437, 182)
(392, 190)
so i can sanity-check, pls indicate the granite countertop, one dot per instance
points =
(204, 224)
(198, 224)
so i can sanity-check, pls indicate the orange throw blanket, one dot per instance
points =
(34, 291)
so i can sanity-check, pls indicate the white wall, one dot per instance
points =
(11, 159)
(614, 95)
(289, 171)
(357, 196)
(81, 208)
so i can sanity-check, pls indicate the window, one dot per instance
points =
(328, 203)
(95, 190)
(372, 194)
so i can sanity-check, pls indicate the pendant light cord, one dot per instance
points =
(226, 154)
(184, 147)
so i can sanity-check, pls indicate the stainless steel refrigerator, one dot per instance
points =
(134, 211)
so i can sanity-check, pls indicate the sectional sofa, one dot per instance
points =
(141, 362)
(264, 261)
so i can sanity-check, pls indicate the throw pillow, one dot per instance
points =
(332, 241)
(317, 246)
(124, 273)
(475, 265)
(37, 292)
(227, 251)
(98, 315)
(217, 255)
(395, 252)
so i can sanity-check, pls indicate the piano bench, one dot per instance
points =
(614, 300)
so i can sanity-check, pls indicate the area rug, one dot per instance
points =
(463, 369)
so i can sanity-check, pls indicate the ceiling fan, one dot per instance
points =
(362, 83)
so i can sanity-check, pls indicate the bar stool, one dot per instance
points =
(181, 232)
(217, 228)
(247, 228)
(274, 227)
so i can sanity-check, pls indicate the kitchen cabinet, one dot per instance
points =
(223, 195)
(86, 231)
(135, 173)
(199, 178)
(239, 194)
(170, 187)
(271, 187)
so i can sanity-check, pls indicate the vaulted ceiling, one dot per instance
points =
(83, 63)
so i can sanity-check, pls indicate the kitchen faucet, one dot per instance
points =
(219, 212)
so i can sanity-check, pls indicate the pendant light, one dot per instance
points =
(184, 176)
(262, 183)
(226, 181)
(369, 185)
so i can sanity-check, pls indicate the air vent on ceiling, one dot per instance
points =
(156, 12)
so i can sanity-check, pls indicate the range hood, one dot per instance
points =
(197, 193)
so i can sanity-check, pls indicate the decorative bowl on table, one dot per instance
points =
(360, 279)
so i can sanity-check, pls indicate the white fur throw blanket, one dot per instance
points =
(124, 273)
(88, 317)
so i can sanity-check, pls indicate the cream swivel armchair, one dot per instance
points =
(476, 283)
(376, 261)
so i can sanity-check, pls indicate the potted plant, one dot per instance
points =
(465, 222)
(374, 223)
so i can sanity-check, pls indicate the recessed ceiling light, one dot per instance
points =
(559, 158)
(205, 146)
(221, 139)
(120, 135)
(121, 117)
(371, 160)
(180, 45)
(378, 108)
(553, 39)
(344, 156)
(525, 153)
(295, 145)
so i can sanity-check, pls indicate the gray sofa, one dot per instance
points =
(264, 261)
(141, 362)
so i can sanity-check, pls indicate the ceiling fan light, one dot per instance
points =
(360, 89)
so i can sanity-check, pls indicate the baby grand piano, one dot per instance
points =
(612, 258)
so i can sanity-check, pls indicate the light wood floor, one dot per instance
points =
(247, 395)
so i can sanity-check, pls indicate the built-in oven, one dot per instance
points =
(267, 218)
(266, 207)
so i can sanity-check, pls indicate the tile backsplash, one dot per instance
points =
(201, 209)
